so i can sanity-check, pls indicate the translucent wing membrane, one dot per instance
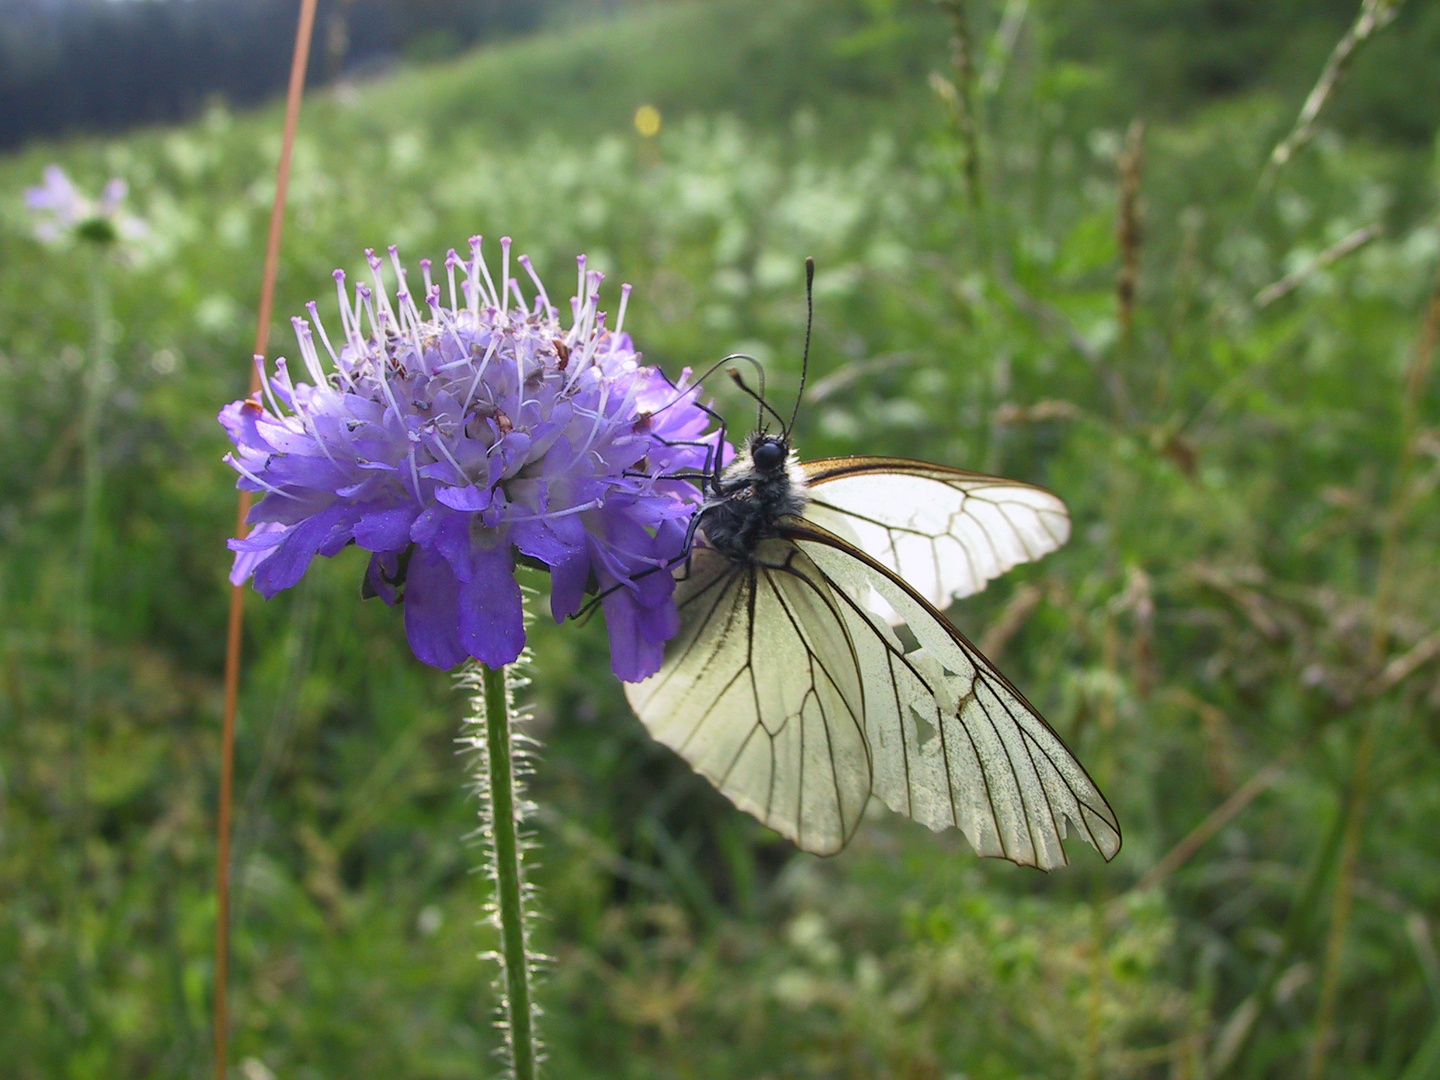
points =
(946, 532)
(761, 693)
(797, 702)
(951, 741)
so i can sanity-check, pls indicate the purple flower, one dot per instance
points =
(454, 444)
(62, 211)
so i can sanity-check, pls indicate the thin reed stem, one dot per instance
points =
(223, 826)
(1234, 1040)
(1342, 901)
(1374, 15)
(500, 793)
(961, 97)
(1128, 229)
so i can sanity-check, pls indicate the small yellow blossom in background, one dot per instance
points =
(647, 121)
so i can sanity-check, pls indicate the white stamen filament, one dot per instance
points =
(445, 452)
(624, 303)
(492, 297)
(266, 388)
(234, 463)
(414, 470)
(539, 286)
(580, 283)
(480, 371)
(505, 274)
(382, 294)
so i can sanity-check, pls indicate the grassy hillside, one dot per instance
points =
(1251, 582)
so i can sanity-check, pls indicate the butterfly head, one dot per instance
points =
(768, 453)
(769, 475)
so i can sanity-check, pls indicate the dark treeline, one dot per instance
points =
(106, 65)
(99, 65)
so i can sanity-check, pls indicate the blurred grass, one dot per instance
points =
(1233, 470)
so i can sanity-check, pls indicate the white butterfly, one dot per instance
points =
(790, 690)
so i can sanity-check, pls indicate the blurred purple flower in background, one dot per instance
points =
(62, 212)
(452, 444)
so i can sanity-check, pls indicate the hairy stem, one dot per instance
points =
(499, 787)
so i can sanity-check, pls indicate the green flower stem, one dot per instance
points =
(93, 385)
(509, 888)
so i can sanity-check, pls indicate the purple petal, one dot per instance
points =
(292, 557)
(114, 193)
(568, 579)
(432, 619)
(443, 530)
(492, 623)
(385, 530)
(467, 498)
(263, 537)
(380, 573)
(254, 549)
(241, 422)
(536, 539)
(633, 657)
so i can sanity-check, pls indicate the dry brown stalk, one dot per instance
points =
(1019, 609)
(1287, 284)
(1002, 46)
(1374, 15)
(1010, 412)
(1128, 228)
(1216, 820)
(1405, 665)
(962, 100)
(303, 33)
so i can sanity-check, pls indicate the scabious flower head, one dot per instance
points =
(62, 212)
(453, 442)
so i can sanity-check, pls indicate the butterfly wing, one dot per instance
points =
(796, 702)
(761, 693)
(951, 741)
(944, 531)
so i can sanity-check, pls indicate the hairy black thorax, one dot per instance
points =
(762, 485)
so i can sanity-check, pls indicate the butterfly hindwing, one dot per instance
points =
(952, 742)
(946, 532)
(797, 702)
(761, 692)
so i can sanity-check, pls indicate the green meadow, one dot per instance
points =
(1241, 635)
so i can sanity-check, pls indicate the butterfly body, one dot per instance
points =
(755, 491)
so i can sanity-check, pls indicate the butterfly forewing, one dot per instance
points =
(951, 741)
(946, 532)
(761, 692)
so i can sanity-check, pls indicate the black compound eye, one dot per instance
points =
(769, 455)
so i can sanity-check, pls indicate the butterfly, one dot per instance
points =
(789, 687)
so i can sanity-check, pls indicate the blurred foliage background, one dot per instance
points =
(1224, 367)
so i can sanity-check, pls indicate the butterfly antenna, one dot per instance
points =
(809, 323)
(759, 398)
(681, 394)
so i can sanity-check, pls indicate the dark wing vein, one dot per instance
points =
(765, 650)
(1020, 818)
(816, 660)
(946, 532)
